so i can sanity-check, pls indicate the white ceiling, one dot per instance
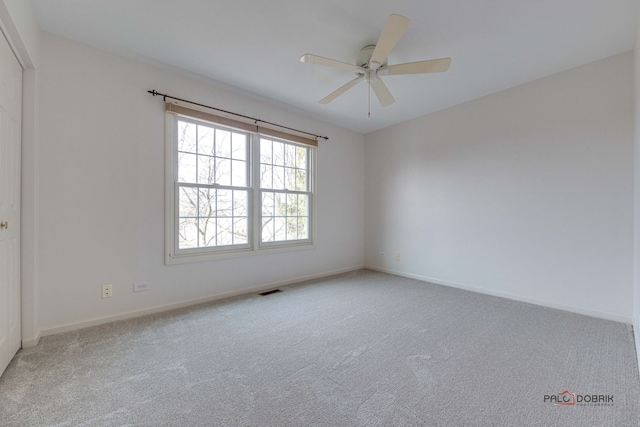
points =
(255, 45)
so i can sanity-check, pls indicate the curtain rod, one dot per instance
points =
(165, 96)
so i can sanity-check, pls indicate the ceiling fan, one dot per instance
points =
(372, 63)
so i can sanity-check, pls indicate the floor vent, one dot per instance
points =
(264, 294)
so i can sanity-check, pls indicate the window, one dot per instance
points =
(233, 191)
(213, 186)
(284, 189)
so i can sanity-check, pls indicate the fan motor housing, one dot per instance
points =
(365, 56)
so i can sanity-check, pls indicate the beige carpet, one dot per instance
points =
(358, 349)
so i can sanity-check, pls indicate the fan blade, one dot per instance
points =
(394, 29)
(431, 66)
(319, 60)
(342, 89)
(382, 92)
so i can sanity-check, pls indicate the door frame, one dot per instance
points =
(23, 35)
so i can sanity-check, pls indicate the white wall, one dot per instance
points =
(525, 193)
(102, 191)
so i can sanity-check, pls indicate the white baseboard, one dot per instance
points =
(572, 309)
(158, 309)
(32, 342)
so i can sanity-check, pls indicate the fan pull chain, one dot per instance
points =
(369, 101)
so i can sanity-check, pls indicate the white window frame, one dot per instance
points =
(260, 190)
(174, 255)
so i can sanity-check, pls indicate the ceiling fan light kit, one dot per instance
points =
(371, 63)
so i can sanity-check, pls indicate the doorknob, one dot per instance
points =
(4, 225)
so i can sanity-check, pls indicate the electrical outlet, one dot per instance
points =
(397, 257)
(107, 291)
(381, 254)
(141, 286)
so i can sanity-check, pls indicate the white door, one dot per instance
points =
(10, 156)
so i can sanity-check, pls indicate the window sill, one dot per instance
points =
(210, 256)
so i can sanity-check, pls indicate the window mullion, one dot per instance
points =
(256, 208)
(197, 189)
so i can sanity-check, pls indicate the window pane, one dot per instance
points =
(188, 202)
(265, 151)
(225, 231)
(205, 140)
(239, 169)
(267, 204)
(225, 203)
(239, 146)
(292, 204)
(278, 153)
(187, 233)
(240, 231)
(267, 229)
(206, 170)
(292, 228)
(301, 158)
(223, 171)
(187, 167)
(207, 202)
(301, 180)
(280, 229)
(223, 143)
(290, 178)
(280, 204)
(186, 137)
(266, 176)
(290, 155)
(303, 232)
(303, 205)
(207, 232)
(240, 206)
(278, 178)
